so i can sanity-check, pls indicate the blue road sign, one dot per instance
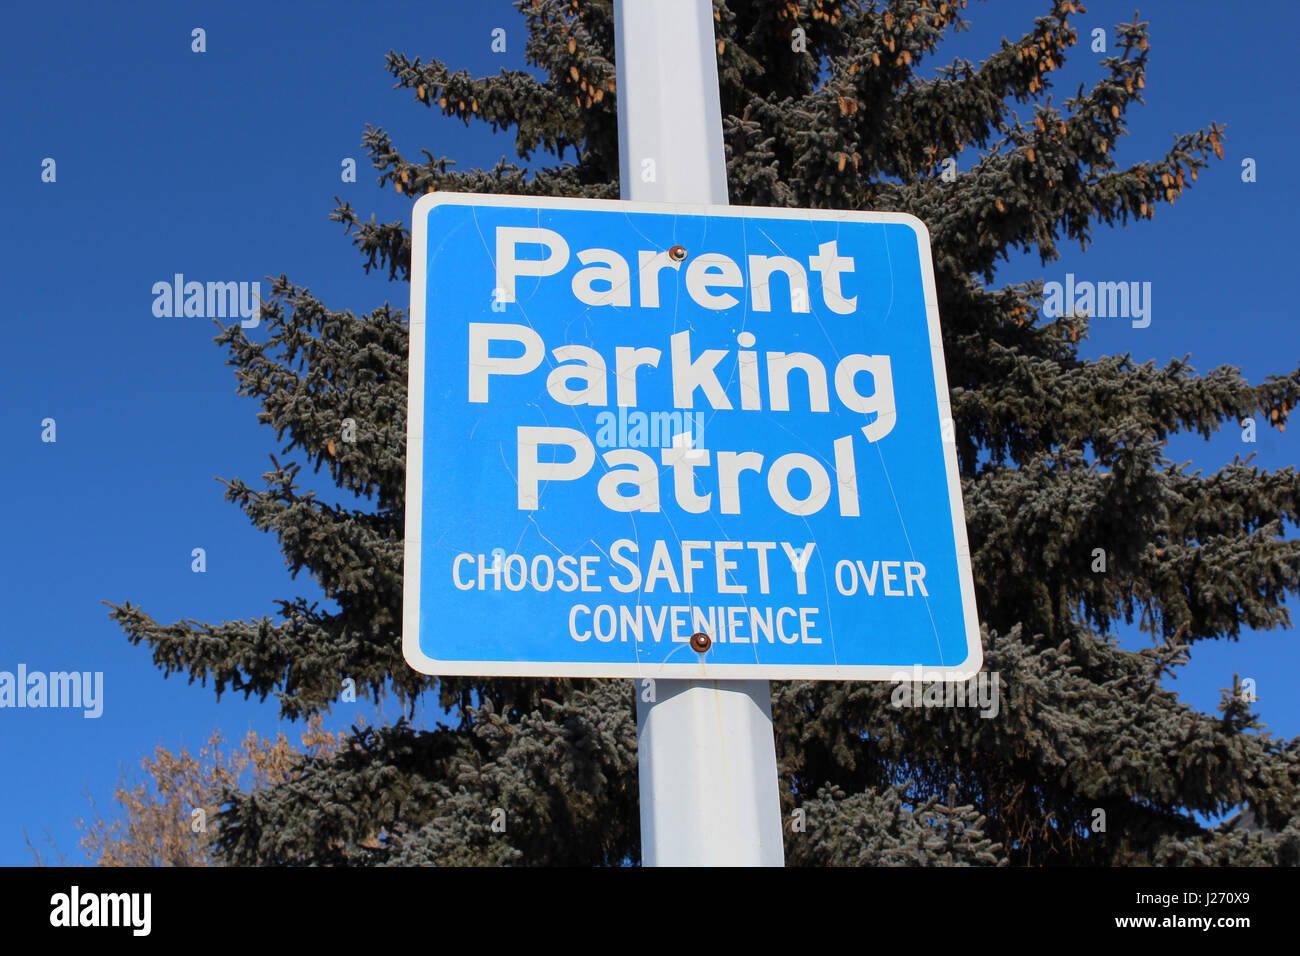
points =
(680, 441)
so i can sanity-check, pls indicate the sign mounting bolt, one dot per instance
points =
(700, 641)
(677, 253)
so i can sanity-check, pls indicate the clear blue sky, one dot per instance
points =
(223, 165)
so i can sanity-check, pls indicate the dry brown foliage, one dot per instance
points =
(167, 818)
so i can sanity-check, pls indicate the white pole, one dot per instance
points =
(705, 748)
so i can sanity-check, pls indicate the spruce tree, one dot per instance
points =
(825, 105)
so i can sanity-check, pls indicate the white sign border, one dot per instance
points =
(699, 669)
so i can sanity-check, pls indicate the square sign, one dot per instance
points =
(679, 441)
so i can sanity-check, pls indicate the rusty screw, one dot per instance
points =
(701, 642)
(677, 253)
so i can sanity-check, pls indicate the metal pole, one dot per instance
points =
(705, 748)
